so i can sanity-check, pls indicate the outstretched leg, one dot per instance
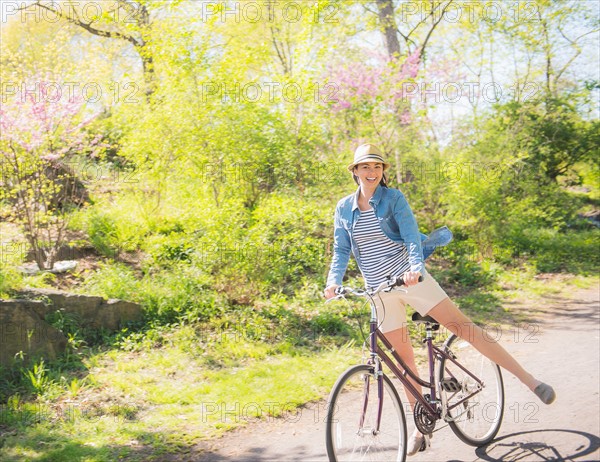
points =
(448, 314)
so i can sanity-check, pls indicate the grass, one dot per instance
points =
(159, 392)
(145, 404)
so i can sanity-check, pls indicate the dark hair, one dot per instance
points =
(383, 182)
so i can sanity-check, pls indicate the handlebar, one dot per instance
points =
(397, 281)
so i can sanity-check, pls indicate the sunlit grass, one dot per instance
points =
(147, 403)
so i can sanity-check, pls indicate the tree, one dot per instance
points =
(433, 14)
(124, 20)
(552, 134)
(388, 27)
(38, 138)
(402, 65)
(556, 34)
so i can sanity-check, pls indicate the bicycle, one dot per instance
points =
(365, 418)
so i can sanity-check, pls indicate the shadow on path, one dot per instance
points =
(262, 454)
(532, 446)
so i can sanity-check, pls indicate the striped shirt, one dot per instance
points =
(380, 256)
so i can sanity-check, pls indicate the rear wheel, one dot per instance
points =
(352, 411)
(475, 406)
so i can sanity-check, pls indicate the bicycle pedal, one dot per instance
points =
(451, 385)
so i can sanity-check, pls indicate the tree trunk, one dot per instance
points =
(389, 28)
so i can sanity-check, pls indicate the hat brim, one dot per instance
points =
(369, 158)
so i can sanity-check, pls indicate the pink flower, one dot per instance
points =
(375, 80)
(44, 122)
(405, 117)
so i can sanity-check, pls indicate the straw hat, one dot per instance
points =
(367, 153)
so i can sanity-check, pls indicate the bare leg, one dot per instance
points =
(448, 314)
(400, 340)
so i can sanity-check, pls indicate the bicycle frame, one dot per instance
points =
(379, 354)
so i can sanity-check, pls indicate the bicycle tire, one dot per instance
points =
(477, 420)
(346, 439)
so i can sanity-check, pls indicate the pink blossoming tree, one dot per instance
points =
(375, 81)
(40, 131)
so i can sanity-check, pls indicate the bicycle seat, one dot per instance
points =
(417, 318)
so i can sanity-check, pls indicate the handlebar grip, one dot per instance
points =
(400, 281)
(340, 290)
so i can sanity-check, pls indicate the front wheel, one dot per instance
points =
(472, 395)
(352, 414)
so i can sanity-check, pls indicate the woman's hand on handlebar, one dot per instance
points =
(411, 278)
(330, 291)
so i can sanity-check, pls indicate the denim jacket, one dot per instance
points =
(397, 223)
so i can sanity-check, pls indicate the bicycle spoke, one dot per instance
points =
(352, 433)
(475, 405)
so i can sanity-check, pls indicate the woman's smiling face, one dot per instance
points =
(369, 174)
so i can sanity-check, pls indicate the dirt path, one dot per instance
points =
(562, 348)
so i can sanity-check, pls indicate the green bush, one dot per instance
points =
(102, 230)
(167, 249)
(10, 280)
(183, 292)
(292, 234)
(114, 280)
(552, 251)
(329, 323)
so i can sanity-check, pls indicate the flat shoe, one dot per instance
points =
(417, 443)
(545, 393)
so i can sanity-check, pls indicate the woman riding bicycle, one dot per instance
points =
(377, 226)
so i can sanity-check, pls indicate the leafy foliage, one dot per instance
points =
(37, 136)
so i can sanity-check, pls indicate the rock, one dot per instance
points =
(91, 311)
(117, 311)
(60, 299)
(593, 216)
(61, 266)
(22, 329)
(23, 326)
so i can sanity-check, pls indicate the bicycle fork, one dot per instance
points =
(378, 375)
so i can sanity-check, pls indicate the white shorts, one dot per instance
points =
(422, 297)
